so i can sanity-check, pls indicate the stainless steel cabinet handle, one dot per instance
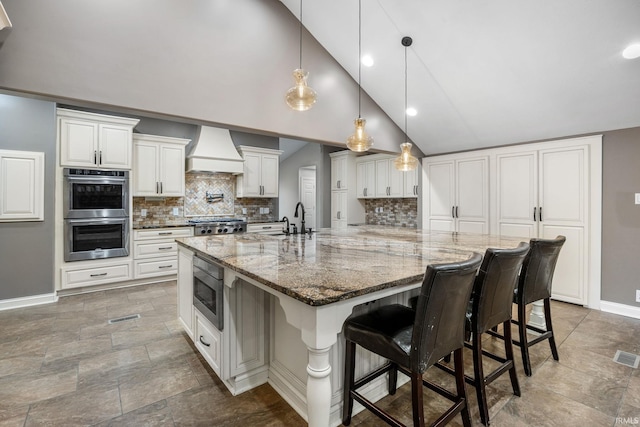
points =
(98, 274)
(204, 343)
(165, 248)
(165, 266)
(165, 233)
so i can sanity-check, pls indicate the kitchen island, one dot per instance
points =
(316, 281)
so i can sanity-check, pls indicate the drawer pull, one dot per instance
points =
(165, 233)
(98, 274)
(204, 343)
(165, 248)
(267, 228)
(165, 266)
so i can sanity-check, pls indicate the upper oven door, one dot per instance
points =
(96, 196)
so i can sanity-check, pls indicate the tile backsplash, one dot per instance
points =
(195, 204)
(395, 212)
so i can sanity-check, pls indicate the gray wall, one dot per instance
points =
(224, 63)
(309, 155)
(26, 248)
(620, 216)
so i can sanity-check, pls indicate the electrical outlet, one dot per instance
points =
(637, 295)
(637, 198)
(175, 211)
(266, 210)
(143, 212)
(244, 211)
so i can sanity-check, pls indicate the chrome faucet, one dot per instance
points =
(286, 230)
(295, 215)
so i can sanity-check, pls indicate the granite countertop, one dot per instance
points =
(337, 264)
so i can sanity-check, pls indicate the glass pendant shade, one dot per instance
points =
(360, 140)
(405, 161)
(300, 97)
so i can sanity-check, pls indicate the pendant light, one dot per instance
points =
(405, 161)
(360, 141)
(300, 97)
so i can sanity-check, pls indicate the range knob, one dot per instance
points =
(203, 231)
(220, 230)
(225, 230)
(208, 231)
(235, 229)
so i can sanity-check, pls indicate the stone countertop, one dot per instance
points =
(337, 264)
(152, 226)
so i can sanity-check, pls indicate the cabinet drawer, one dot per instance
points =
(208, 341)
(148, 249)
(162, 233)
(156, 267)
(96, 275)
(266, 228)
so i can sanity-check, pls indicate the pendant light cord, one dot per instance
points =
(300, 34)
(359, 55)
(405, 95)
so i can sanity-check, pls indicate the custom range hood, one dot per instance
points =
(213, 151)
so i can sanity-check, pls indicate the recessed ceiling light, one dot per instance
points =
(367, 60)
(411, 111)
(632, 51)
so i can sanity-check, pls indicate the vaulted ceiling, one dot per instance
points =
(489, 72)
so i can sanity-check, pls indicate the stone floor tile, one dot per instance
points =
(25, 389)
(13, 416)
(172, 347)
(141, 334)
(157, 414)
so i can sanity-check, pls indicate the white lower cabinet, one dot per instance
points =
(95, 273)
(208, 341)
(155, 251)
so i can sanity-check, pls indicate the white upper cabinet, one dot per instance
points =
(411, 183)
(457, 194)
(21, 186)
(261, 172)
(159, 166)
(89, 140)
(366, 179)
(339, 171)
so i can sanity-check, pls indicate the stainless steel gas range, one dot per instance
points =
(218, 226)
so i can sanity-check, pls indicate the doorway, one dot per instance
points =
(307, 194)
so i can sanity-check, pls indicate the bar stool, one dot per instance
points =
(534, 284)
(414, 340)
(490, 305)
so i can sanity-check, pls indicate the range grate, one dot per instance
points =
(627, 359)
(123, 318)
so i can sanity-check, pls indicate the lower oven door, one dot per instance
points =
(207, 296)
(96, 238)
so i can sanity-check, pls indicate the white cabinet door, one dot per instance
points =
(21, 186)
(517, 194)
(339, 179)
(251, 179)
(269, 175)
(114, 146)
(171, 170)
(472, 195)
(338, 209)
(78, 143)
(382, 178)
(145, 171)
(366, 180)
(440, 203)
(411, 188)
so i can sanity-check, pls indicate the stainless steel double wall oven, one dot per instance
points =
(96, 214)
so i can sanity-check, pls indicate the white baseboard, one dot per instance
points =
(9, 304)
(621, 309)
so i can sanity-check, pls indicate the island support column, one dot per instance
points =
(320, 327)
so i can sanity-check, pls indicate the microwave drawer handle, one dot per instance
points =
(98, 274)
(203, 342)
(165, 233)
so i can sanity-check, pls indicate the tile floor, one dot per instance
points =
(62, 364)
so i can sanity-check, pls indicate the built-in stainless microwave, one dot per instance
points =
(208, 286)
(92, 193)
(95, 238)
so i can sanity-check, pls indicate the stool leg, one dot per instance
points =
(547, 320)
(460, 386)
(416, 399)
(524, 344)
(349, 372)
(481, 393)
(508, 350)
(393, 378)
